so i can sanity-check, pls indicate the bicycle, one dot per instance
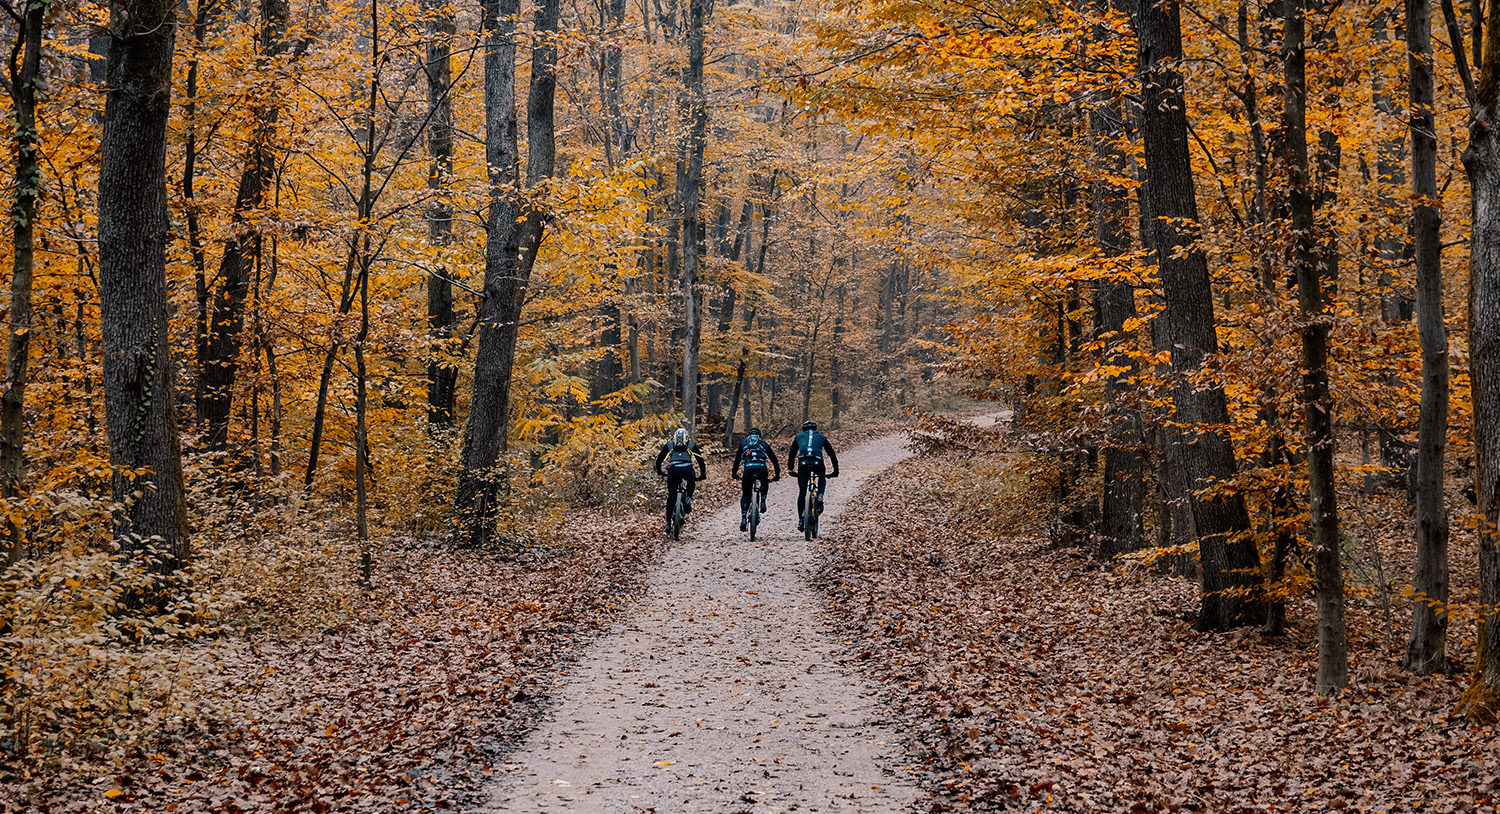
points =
(679, 513)
(757, 495)
(810, 510)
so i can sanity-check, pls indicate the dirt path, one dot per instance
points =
(720, 691)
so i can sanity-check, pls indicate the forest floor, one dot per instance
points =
(1037, 678)
(935, 651)
(401, 706)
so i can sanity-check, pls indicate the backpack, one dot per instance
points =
(755, 451)
(680, 456)
(810, 447)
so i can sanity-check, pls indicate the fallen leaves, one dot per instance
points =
(398, 711)
(1034, 678)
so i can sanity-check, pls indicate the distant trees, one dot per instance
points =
(1274, 271)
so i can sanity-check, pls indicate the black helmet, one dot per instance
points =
(809, 425)
(753, 431)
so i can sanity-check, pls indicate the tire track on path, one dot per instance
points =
(720, 691)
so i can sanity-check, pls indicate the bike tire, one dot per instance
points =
(677, 519)
(754, 521)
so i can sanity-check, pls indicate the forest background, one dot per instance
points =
(361, 303)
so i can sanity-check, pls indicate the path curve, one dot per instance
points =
(720, 691)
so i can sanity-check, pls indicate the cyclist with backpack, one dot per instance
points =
(806, 460)
(753, 454)
(679, 454)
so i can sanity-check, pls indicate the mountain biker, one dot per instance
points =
(679, 453)
(806, 460)
(753, 453)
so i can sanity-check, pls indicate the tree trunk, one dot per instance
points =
(202, 18)
(759, 269)
(692, 228)
(1230, 563)
(1323, 531)
(1124, 456)
(442, 369)
(1482, 161)
(835, 368)
(220, 362)
(1426, 650)
(515, 234)
(144, 449)
(25, 80)
(347, 293)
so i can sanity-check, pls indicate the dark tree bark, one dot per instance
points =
(206, 11)
(766, 209)
(1323, 531)
(219, 365)
(1281, 504)
(692, 190)
(1114, 300)
(1482, 161)
(515, 233)
(144, 449)
(1230, 563)
(1426, 650)
(442, 322)
(366, 259)
(25, 81)
(611, 80)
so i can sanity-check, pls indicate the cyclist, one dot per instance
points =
(753, 453)
(806, 460)
(679, 454)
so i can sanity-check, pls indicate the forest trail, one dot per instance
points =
(721, 691)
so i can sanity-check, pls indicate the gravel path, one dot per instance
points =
(720, 691)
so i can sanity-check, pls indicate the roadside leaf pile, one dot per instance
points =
(1035, 678)
(402, 709)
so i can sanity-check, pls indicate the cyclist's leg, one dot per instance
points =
(803, 475)
(764, 477)
(690, 480)
(822, 486)
(747, 482)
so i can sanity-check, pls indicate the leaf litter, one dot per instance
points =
(1035, 678)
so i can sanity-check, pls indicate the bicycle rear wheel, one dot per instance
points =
(754, 516)
(677, 518)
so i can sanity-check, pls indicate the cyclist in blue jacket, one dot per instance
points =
(679, 455)
(806, 460)
(753, 454)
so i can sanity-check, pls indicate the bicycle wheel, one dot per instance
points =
(810, 517)
(754, 515)
(677, 518)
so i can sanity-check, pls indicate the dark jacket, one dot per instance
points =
(747, 448)
(810, 445)
(691, 454)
